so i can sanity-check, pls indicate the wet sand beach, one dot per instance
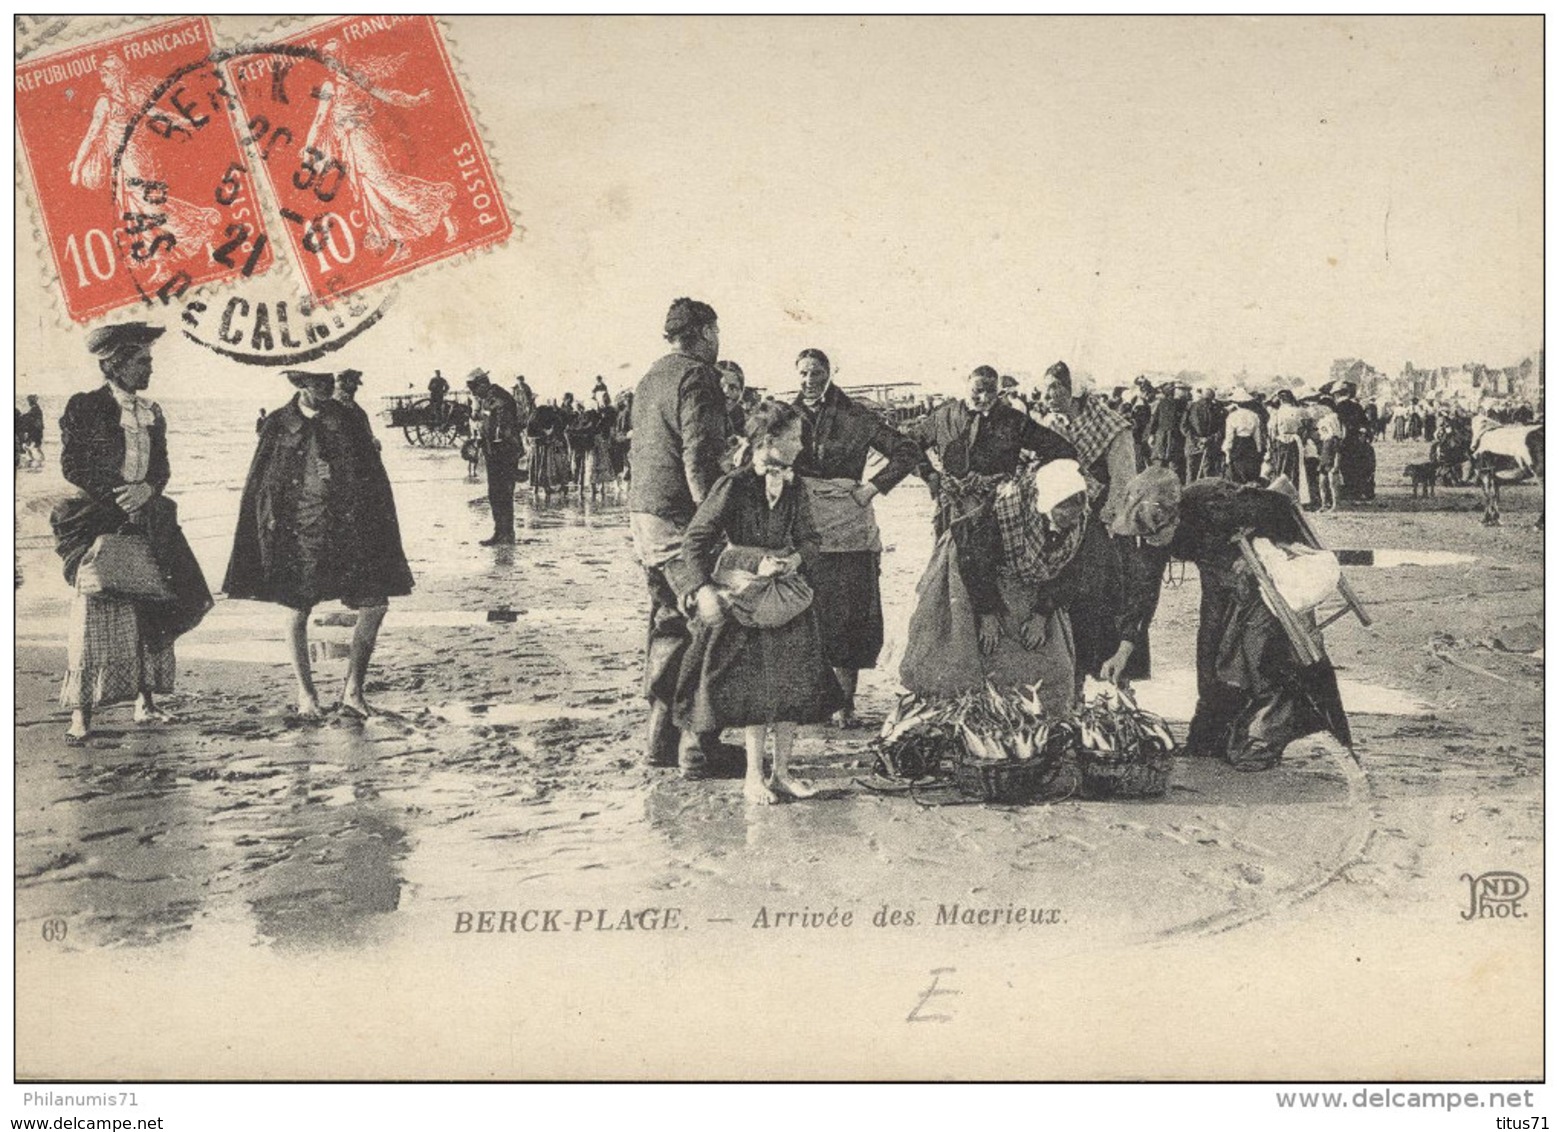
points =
(505, 773)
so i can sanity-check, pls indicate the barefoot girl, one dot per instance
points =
(765, 680)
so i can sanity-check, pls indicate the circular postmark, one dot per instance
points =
(193, 180)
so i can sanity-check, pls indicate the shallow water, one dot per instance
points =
(1172, 695)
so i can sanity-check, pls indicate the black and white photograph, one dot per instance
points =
(713, 548)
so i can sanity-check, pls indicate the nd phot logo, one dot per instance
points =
(1495, 896)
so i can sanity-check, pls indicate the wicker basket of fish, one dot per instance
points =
(997, 745)
(1011, 780)
(1122, 750)
(1012, 749)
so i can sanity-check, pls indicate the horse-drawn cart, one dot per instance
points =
(427, 423)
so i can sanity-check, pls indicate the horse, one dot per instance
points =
(1504, 449)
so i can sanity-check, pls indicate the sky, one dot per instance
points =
(921, 196)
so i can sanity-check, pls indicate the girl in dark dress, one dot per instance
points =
(764, 680)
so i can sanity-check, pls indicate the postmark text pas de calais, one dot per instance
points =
(386, 171)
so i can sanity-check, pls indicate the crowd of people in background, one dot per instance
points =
(1055, 513)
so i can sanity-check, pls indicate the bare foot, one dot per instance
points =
(788, 787)
(308, 707)
(355, 705)
(153, 714)
(77, 732)
(757, 792)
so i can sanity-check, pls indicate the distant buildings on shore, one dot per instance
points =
(1468, 383)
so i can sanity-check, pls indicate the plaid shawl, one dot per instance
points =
(1092, 428)
(1030, 549)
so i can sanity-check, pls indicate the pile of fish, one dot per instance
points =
(991, 724)
(1111, 725)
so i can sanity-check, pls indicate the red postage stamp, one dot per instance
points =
(370, 148)
(130, 143)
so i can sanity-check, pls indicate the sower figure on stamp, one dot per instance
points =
(398, 208)
(501, 443)
(312, 528)
(114, 450)
(837, 436)
(679, 436)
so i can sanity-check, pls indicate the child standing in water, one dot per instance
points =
(764, 680)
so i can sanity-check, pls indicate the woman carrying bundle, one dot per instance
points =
(114, 451)
(765, 678)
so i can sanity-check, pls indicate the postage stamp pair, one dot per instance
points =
(161, 161)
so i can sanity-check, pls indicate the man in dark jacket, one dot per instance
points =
(29, 431)
(501, 444)
(1203, 429)
(1168, 441)
(679, 434)
(973, 437)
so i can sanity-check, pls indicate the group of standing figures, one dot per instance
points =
(761, 551)
(316, 523)
(562, 446)
(1052, 536)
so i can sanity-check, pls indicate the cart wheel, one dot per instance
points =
(411, 434)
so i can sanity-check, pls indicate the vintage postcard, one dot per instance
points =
(751, 548)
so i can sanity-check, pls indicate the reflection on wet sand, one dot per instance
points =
(508, 774)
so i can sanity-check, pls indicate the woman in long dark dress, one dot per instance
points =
(1254, 697)
(764, 680)
(550, 467)
(837, 438)
(114, 451)
(316, 524)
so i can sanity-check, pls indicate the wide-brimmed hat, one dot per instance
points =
(107, 340)
(306, 377)
(477, 376)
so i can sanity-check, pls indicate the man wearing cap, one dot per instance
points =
(1166, 439)
(114, 451)
(679, 435)
(501, 444)
(978, 436)
(348, 382)
(1203, 429)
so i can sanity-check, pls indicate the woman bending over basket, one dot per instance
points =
(756, 659)
(1254, 695)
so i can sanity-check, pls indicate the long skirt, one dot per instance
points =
(1244, 461)
(848, 600)
(107, 658)
(598, 463)
(1356, 462)
(1285, 459)
(737, 676)
(1052, 664)
(1253, 697)
(551, 467)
